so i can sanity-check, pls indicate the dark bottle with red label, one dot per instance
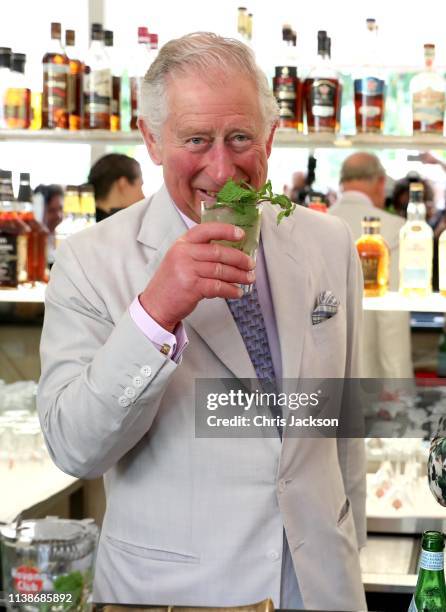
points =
(55, 83)
(369, 86)
(323, 91)
(286, 85)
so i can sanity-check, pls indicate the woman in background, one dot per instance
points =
(117, 183)
(52, 196)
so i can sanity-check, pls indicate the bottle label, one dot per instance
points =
(55, 78)
(370, 270)
(98, 91)
(433, 561)
(323, 98)
(12, 259)
(417, 264)
(428, 106)
(369, 86)
(285, 91)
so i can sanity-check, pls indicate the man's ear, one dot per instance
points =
(152, 144)
(269, 142)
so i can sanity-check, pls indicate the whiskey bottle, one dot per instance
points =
(242, 22)
(115, 108)
(374, 256)
(428, 97)
(430, 592)
(17, 110)
(55, 83)
(369, 86)
(97, 83)
(37, 238)
(140, 64)
(5, 76)
(416, 247)
(286, 85)
(322, 91)
(75, 83)
(442, 263)
(13, 237)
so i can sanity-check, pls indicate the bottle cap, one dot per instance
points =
(154, 41)
(286, 71)
(242, 8)
(6, 175)
(143, 34)
(24, 176)
(322, 41)
(287, 32)
(74, 188)
(70, 38)
(5, 57)
(108, 38)
(97, 33)
(18, 61)
(56, 30)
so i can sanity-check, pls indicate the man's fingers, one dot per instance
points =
(206, 232)
(210, 288)
(229, 274)
(218, 253)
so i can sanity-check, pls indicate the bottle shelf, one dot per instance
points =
(392, 301)
(283, 138)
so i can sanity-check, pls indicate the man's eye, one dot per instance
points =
(241, 138)
(196, 140)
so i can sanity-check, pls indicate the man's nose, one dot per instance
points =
(220, 165)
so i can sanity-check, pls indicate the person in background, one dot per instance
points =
(52, 196)
(386, 335)
(298, 183)
(400, 196)
(117, 183)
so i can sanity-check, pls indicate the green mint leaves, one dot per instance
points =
(241, 195)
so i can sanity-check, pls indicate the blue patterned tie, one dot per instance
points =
(248, 317)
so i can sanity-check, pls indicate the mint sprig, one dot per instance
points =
(241, 195)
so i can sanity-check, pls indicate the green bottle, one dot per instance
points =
(430, 594)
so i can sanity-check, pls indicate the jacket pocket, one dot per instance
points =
(149, 552)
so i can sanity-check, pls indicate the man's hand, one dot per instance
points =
(193, 269)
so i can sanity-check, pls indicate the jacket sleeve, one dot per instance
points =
(101, 382)
(351, 450)
(437, 464)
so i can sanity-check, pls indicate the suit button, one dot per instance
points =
(146, 371)
(123, 401)
(137, 381)
(129, 392)
(273, 555)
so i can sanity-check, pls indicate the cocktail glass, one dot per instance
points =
(248, 217)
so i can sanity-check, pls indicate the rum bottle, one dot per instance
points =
(97, 83)
(115, 107)
(322, 91)
(75, 83)
(416, 247)
(286, 86)
(428, 97)
(18, 96)
(370, 86)
(430, 592)
(55, 83)
(13, 237)
(37, 239)
(374, 255)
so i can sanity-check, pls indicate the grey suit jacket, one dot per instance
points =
(197, 521)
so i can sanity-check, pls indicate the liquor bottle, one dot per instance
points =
(71, 213)
(416, 247)
(5, 76)
(115, 109)
(369, 86)
(322, 89)
(430, 592)
(75, 95)
(442, 263)
(428, 97)
(249, 28)
(242, 22)
(140, 64)
(37, 238)
(87, 205)
(13, 237)
(55, 83)
(374, 255)
(97, 83)
(286, 84)
(18, 96)
(441, 355)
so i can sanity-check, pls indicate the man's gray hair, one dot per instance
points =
(360, 167)
(201, 52)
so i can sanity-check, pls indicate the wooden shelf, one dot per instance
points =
(284, 138)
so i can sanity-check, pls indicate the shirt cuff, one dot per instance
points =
(170, 344)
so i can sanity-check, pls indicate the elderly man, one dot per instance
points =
(136, 310)
(386, 345)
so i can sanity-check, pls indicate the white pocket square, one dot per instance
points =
(326, 307)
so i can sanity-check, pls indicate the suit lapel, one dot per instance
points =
(288, 275)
